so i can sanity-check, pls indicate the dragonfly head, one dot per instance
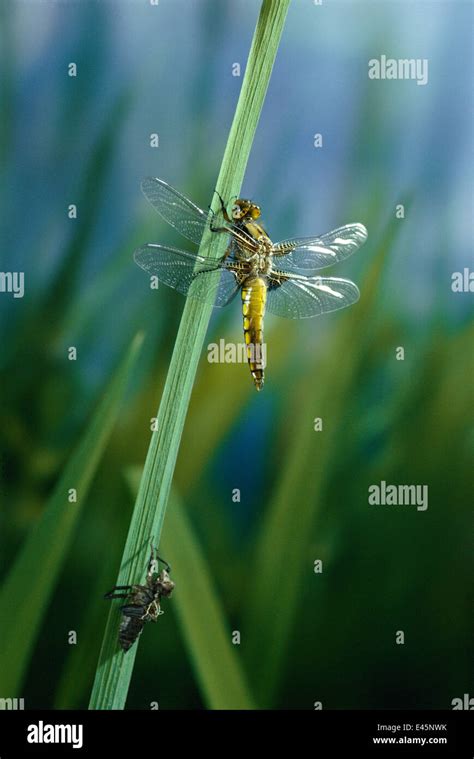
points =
(164, 583)
(245, 209)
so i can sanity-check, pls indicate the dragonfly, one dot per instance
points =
(142, 601)
(280, 278)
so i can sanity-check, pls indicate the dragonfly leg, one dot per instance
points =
(151, 560)
(225, 230)
(223, 207)
(112, 594)
(167, 566)
(227, 253)
(154, 556)
(224, 214)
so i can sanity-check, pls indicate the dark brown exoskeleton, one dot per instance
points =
(143, 600)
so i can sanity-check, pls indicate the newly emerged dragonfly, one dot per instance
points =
(278, 277)
(143, 601)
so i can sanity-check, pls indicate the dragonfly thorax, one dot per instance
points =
(260, 259)
(265, 254)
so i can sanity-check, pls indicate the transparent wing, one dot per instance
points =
(182, 214)
(306, 297)
(306, 255)
(176, 209)
(189, 274)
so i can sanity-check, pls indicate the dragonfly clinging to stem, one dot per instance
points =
(277, 277)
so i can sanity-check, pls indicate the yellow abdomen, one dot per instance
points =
(254, 298)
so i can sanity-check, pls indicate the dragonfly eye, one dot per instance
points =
(255, 212)
(236, 211)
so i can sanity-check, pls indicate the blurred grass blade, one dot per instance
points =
(89, 196)
(27, 590)
(287, 530)
(73, 688)
(200, 612)
(114, 669)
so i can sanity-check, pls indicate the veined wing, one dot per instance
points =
(303, 297)
(182, 213)
(305, 255)
(176, 209)
(190, 274)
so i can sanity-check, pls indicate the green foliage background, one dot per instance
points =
(245, 566)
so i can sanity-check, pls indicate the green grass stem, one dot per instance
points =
(115, 668)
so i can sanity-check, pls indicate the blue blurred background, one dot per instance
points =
(85, 140)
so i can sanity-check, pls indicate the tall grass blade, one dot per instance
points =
(203, 624)
(28, 588)
(115, 669)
